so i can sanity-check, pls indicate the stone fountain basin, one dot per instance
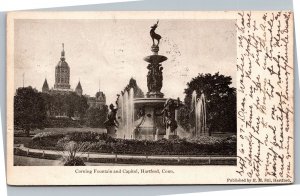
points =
(155, 58)
(152, 123)
(149, 101)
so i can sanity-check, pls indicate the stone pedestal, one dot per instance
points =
(155, 95)
(155, 74)
(171, 134)
(111, 131)
(150, 125)
(147, 129)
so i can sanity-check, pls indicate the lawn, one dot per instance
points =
(25, 161)
(70, 129)
(20, 138)
(62, 130)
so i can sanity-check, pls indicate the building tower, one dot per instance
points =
(78, 89)
(100, 99)
(45, 88)
(62, 73)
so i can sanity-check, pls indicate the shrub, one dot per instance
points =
(87, 136)
(73, 149)
(77, 161)
(166, 147)
(47, 135)
(45, 140)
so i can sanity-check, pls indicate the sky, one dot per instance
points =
(106, 53)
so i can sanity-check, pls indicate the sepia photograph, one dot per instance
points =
(124, 92)
(150, 98)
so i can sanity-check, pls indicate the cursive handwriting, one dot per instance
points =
(265, 95)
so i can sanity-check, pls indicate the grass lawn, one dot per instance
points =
(63, 130)
(70, 129)
(20, 138)
(29, 161)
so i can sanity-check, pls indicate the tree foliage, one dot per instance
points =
(138, 93)
(220, 102)
(68, 104)
(29, 110)
(96, 116)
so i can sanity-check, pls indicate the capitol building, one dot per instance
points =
(62, 84)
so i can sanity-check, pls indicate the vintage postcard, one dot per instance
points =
(144, 98)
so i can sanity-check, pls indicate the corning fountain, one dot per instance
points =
(152, 117)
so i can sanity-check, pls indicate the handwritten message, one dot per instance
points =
(265, 96)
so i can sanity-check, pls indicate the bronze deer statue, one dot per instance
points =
(154, 35)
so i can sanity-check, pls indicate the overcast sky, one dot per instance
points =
(112, 51)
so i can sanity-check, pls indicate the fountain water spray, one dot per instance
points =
(130, 114)
(199, 109)
(126, 114)
(120, 115)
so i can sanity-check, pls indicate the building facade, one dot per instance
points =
(98, 101)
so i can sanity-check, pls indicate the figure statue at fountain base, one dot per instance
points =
(169, 113)
(111, 123)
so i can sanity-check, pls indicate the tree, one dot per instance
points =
(76, 103)
(68, 103)
(29, 110)
(138, 93)
(220, 102)
(48, 102)
(97, 116)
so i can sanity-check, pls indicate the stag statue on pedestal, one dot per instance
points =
(154, 35)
